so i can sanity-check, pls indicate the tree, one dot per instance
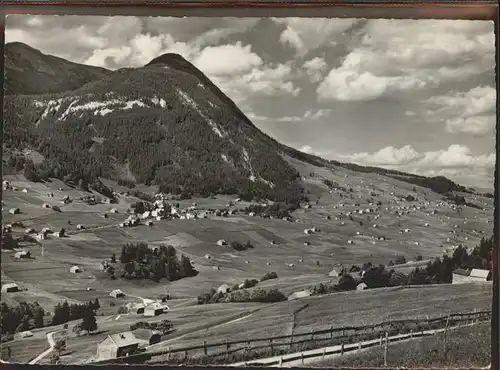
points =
(38, 317)
(398, 279)
(96, 304)
(89, 323)
(185, 268)
(113, 258)
(77, 329)
(347, 282)
(376, 277)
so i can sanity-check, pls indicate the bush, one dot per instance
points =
(400, 260)
(269, 276)
(347, 282)
(122, 310)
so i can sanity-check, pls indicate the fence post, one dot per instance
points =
(385, 348)
(411, 333)
(227, 348)
(445, 339)
(359, 346)
(331, 332)
(324, 352)
(271, 345)
(185, 355)
(341, 349)
(281, 361)
(380, 340)
(302, 358)
(205, 348)
(343, 332)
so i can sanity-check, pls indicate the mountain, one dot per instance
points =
(28, 71)
(164, 123)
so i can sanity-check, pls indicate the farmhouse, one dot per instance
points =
(14, 211)
(155, 309)
(22, 254)
(336, 272)
(221, 242)
(300, 294)
(478, 275)
(117, 345)
(80, 227)
(10, 287)
(117, 293)
(45, 205)
(224, 288)
(148, 336)
(137, 308)
(361, 286)
(460, 276)
(75, 269)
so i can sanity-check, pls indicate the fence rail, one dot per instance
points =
(333, 335)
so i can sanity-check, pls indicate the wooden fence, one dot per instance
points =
(219, 352)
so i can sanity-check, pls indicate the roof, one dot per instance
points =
(478, 273)
(461, 272)
(301, 294)
(156, 306)
(10, 285)
(145, 334)
(123, 339)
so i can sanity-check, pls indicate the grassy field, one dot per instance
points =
(468, 347)
(48, 280)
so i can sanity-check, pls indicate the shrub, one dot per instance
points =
(269, 276)
(122, 310)
(346, 282)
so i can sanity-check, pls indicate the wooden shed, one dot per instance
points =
(117, 345)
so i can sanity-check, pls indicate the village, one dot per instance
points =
(344, 226)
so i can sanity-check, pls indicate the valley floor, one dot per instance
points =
(48, 281)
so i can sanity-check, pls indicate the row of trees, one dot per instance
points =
(242, 295)
(27, 316)
(138, 261)
(437, 271)
(68, 312)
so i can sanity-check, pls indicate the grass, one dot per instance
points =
(466, 348)
(49, 281)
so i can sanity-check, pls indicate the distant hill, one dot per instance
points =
(29, 71)
(165, 123)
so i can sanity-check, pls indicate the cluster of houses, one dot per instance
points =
(126, 344)
(461, 276)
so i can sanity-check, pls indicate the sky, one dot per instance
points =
(412, 95)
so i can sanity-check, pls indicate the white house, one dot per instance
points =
(75, 269)
(221, 242)
(10, 287)
(117, 293)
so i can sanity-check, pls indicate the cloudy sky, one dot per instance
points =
(413, 95)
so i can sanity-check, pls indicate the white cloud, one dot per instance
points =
(227, 59)
(315, 69)
(308, 116)
(306, 149)
(471, 112)
(306, 34)
(398, 55)
(454, 161)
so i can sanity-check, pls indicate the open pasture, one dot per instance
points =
(349, 309)
(23, 350)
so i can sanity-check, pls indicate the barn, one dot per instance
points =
(10, 288)
(137, 308)
(14, 211)
(479, 275)
(155, 309)
(117, 345)
(300, 294)
(224, 288)
(460, 276)
(117, 293)
(336, 272)
(75, 269)
(361, 286)
(148, 336)
(22, 254)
